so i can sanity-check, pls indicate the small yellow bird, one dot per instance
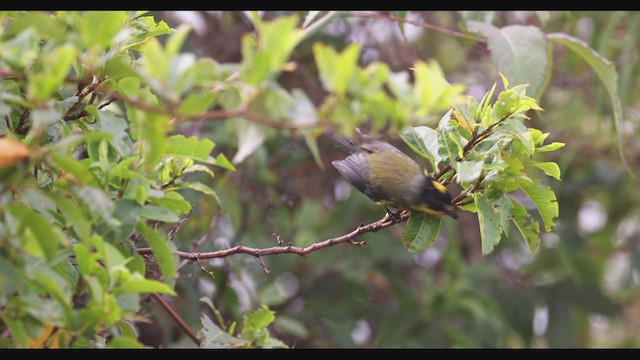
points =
(390, 178)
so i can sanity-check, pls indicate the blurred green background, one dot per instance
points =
(579, 290)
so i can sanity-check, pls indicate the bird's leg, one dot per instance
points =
(395, 217)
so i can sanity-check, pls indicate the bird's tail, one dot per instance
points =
(343, 142)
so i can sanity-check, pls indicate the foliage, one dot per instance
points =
(119, 147)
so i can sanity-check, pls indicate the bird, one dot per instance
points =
(391, 178)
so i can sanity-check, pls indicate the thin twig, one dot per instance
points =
(473, 142)
(176, 317)
(419, 24)
(289, 249)
(176, 228)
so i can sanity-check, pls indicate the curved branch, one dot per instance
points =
(420, 24)
(290, 249)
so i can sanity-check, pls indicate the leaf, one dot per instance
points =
(79, 169)
(214, 337)
(127, 211)
(276, 41)
(55, 64)
(607, 73)
(224, 163)
(97, 201)
(173, 202)
(136, 283)
(424, 141)
(12, 152)
(16, 328)
(550, 168)
(336, 69)
(176, 39)
(159, 213)
(259, 319)
(152, 129)
(550, 147)
(191, 147)
(469, 171)
(490, 223)
(161, 249)
(47, 236)
(520, 52)
(117, 127)
(421, 232)
(9, 280)
(431, 90)
(250, 138)
(47, 25)
(528, 227)
(196, 103)
(545, 200)
(74, 216)
(99, 28)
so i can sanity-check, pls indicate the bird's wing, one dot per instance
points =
(377, 146)
(355, 169)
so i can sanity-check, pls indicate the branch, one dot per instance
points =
(176, 317)
(420, 24)
(289, 249)
(473, 142)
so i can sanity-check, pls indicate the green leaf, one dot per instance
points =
(55, 67)
(68, 272)
(421, 232)
(550, 147)
(74, 216)
(276, 40)
(259, 319)
(490, 223)
(469, 171)
(520, 52)
(97, 201)
(9, 280)
(528, 227)
(117, 127)
(607, 73)
(127, 211)
(214, 337)
(47, 25)
(191, 147)
(224, 163)
(545, 200)
(549, 168)
(98, 28)
(159, 213)
(431, 90)
(196, 103)
(175, 40)
(47, 236)
(155, 60)
(16, 328)
(152, 129)
(79, 169)
(336, 70)
(161, 249)
(136, 283)
(173, 202)
(424, 141)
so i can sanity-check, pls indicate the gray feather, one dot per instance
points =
(355, 169)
